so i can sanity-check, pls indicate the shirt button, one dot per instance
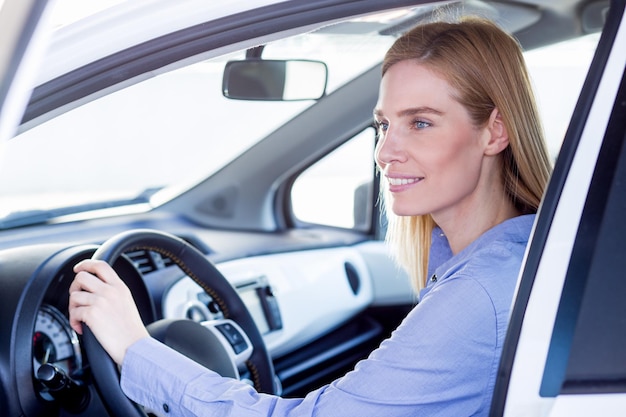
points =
(433, 278)
(166, 408)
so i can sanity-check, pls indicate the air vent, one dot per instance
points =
(353, 277)
(148, 261)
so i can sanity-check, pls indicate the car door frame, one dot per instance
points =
(551, 259)
(22, 41)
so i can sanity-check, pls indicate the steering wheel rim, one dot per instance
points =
(204, 273)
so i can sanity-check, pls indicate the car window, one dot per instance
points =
(169, 131)
(557, 73)
(338, 190)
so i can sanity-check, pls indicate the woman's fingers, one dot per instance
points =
(101, 269)
(101, 300)
(84, 281)
(78, 299)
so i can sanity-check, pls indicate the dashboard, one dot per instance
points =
(280, 292)
(303, 302)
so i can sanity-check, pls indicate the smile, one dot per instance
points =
(403, 181)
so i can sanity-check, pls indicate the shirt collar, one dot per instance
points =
(441, 258)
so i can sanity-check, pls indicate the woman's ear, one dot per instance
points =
(498, 135)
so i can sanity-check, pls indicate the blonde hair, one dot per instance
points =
(485, 67)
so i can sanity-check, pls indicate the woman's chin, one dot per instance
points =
(404, 211)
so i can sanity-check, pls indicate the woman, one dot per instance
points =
(463, 166)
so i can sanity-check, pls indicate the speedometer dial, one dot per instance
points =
(55, 342)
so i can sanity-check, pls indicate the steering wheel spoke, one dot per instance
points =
(233, 339)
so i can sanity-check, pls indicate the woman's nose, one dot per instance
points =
(389, 149)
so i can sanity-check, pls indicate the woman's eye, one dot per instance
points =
(382, 126)
(420, 124)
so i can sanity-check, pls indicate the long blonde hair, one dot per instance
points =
(485, 67)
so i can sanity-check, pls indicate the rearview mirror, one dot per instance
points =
(274, 80)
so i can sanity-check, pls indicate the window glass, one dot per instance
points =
(170, 131)
(338, 189)
(557, 74)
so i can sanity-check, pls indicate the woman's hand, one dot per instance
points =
(101, 300)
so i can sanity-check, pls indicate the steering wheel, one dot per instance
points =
(195, 265)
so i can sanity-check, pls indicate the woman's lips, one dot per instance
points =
(402, 181)
(399, 184)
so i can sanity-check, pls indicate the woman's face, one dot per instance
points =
(429, 151)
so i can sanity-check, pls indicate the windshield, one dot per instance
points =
(170, 131)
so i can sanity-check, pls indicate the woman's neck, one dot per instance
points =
(463, 228)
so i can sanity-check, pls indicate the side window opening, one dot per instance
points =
(557, 73)
(338, 190)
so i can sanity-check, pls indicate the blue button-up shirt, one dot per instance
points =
(441, 361)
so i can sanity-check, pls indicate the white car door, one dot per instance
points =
(565, 352)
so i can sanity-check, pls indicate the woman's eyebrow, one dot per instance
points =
(419, 110)
(412, 111)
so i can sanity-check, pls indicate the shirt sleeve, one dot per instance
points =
(437, 363)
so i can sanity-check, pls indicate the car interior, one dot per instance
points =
(253, 213)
